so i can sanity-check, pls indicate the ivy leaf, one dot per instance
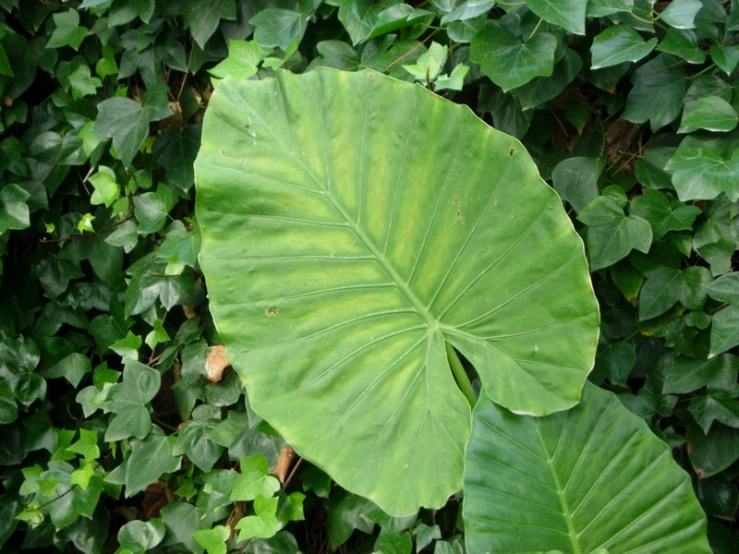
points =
(127, 122)
(429, 64)
(703, 174)
(125, 11)
(508, 60)
(213, 540)
(8, 405)
(392, 542)
(176, 154)
(181, 519)
(106, 187)
(70, 502)
(150, 458)
(602, 8)
(711, 113)
(576, 180)
(663, 216)
(709, 408)
(359, 16)
(149, 283)
(687, 375)
(568, 14)
(141, 536)
(542, 89)
(611, 235)
(681, 13)
(151, 209)
(724, 330)
(725, 288)
(682, 43)
(398, 17)
(254, 480)
(128, 401)
(454, 81)
(83, 83)
(72, 367)
(14, 213)
(67, 31)
(127, 347)
(468, 10)
(244, 57)
(202, 17)
(726, 58)
(181, 247)
(193, 439)
(666, 286)
(278, 28)
(658, 92)
(263, 524)
(619, 44)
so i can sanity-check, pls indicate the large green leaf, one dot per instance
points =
(347, 236)
(556, 483)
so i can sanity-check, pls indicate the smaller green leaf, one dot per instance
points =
(85, 223)
(681, 13)
(391, 542)
(83, 83)
(278, 28)
(455, 81)
(666, 286)
(151, 209)
(711, 453)
(468, 10)
(86, 445)
(128, 401)
(576, 180)
(429, 64)
(703, 174)
(244, 57)
(14, 213)
(127, 347)
(687, 375)
(619, 44)
(425, 535)
(711, 113)
(398, 17)
(725, 330)
(683, 44)
(725, 288)
(150, 458)
(658, 92)
(508, 60)
(254, 480)
(106, 187)
(213, 540)
(662, 215)
(141, 536)
(709, 408)
(568, 14)
(262, 525)
(611, 235)
(67, 31)
(725, 58)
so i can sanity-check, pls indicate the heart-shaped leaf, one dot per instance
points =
(354, 227)
(553, 483)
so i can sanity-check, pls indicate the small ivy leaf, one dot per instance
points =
(81, 477)
(568, 14)
(683, 44)
(244, 57)
(14, 213)
(611, 235)
(542, 89)
(127, 347)
(68, 31)
(72, 367)
(711, 113)
(666, 286)
(725, 58)
(455, 81)
(149, 283)
(663, 216)
(603, 8)
(127, 122)
(125, 11)
(576, 180)
(85, 223)
(254, 480)
(193, 440)
(157, 335)
(508, 60)
(106, 187)
(262, 525)
(425, 535)
(658, 92)
(619, 44)
(687, 375)
(202, 17)
(141, 536)
(724, 330)
(358, 18)
(8, 405)
(703, 174)
(181, 247)
(151, 457)
(710, 408)
(681, 13)
(176, 154)
(396, 17)
(151, 209)
(128, 400)
(468, 10)
(429, 64)
(725, 288)
(291, 508)
(278, 28)
(213, 540)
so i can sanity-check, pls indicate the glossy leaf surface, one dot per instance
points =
(352, 225)
(553, 483)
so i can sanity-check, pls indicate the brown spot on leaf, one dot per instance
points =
(216, 363)
(460, 215)
(271, 311)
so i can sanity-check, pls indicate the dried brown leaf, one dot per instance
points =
(216, 363)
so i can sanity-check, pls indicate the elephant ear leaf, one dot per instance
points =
(536, 484)
(354, 229)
